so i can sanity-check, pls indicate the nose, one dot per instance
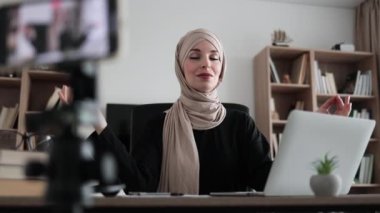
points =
(206, 63)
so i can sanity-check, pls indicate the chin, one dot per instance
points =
(204, 90)
(204, 87)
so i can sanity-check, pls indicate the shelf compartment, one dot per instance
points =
(285, 88)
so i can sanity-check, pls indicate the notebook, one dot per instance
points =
(308, 136)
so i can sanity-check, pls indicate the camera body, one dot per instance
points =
(57, 31)
(71, 35)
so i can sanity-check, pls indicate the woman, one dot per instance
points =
(197, 146)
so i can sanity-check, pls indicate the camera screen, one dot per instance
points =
(56, 31)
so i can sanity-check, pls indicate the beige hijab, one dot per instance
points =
(193, 110)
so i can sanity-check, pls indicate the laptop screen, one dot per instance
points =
(308, 136)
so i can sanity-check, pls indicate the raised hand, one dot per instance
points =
(336, 106)
(66, 95)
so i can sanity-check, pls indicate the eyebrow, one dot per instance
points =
(198, 50)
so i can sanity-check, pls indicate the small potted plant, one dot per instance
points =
(325, 182)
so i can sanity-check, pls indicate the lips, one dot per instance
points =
(205, 75)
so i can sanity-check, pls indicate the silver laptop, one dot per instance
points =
(308, 136)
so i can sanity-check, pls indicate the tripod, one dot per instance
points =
(70, 169)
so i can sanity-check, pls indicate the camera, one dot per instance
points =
(57, 31)
(71, 36)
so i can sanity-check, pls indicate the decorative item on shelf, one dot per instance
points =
(325, 182)
(280, 38)
(286, 79)
(342, 46)
(349, 85)
(275, 115)
(9, 73)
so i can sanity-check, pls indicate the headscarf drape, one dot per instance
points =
(193, 110)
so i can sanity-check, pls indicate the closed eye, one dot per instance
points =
(216, 58)
(194, 57)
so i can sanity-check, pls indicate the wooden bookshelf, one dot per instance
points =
(10, 95)
(9, 91)
(341, 64)
(31, 92)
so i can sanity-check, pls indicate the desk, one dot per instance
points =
(359, 203)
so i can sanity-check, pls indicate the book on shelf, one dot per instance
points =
(12, 171)
(279, 138)
(299, 105)
(53, 101)
(316, 76)
(330, 80)
(320, 77)
(369, 82)
(13, 163)
(274, 146)
(370, 159)
(3, 115)
(367, 85)
(274, 74)
(8, 116)
(299, 69)
(20, 158)
(272, 109)
(325, 82)
(357, 83)
(365, 171)
(11, 117)
(362, 113)
(363, 83)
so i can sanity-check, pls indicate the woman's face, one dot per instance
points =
(202, 67)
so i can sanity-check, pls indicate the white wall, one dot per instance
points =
(143, 69)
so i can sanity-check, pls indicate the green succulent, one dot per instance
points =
(326, 165)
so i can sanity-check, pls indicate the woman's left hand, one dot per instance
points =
(341, 108)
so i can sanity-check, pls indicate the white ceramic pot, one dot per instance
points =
(326, 185)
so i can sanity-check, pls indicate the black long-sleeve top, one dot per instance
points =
(233, 156)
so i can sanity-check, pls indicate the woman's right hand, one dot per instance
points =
(66, 95)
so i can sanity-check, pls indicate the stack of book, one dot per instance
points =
(361, 113)
(364, 174)
(13, 181)
(325, 82)
(363, 83)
